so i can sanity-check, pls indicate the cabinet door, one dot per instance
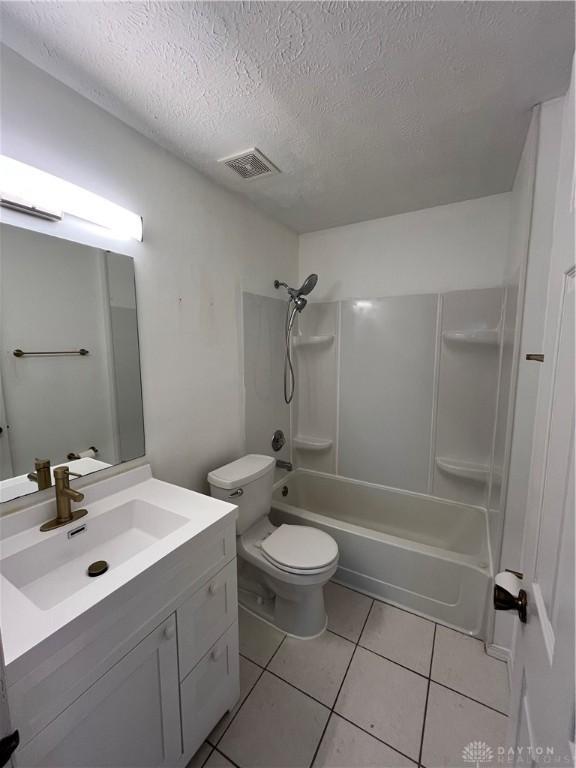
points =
(210, 690)
(205, 616)
(129, 717)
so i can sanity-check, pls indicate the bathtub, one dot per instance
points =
(425, 554)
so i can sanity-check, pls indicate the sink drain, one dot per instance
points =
(97, 568)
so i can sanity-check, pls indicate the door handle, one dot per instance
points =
(504, 601)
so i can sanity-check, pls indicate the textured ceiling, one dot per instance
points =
(369, 109)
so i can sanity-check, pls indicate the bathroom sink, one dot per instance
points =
(144, 529)
(55, 568)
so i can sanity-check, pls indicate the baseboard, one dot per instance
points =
(499, 652)
(503, 654)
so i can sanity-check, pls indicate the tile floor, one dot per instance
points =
(381, 688)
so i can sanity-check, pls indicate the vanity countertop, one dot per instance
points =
(133, 522)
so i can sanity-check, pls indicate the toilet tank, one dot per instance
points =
(246, 482)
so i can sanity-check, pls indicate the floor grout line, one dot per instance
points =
(392, 661)
(470, 698)
(280, 644)
(226, 757)
(340, 686)
(237, 711)
(332, 710)
(427, 697)
(413, 613)
(377, 738)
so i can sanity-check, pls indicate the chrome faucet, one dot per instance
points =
(287, 465)
(42, 474)
(64, 495)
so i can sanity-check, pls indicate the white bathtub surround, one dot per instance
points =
(386, 380)
(468, 381)
(263, 340)
(314, 410)
(429, 555)
(360, 729)
(399, 392)
(151, 634)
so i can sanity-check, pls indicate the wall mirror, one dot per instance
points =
(70, 388)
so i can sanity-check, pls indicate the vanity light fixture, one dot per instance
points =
(26, 189)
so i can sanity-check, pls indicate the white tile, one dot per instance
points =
(453, 722)
(200, 756)
(258, 640)
(347, 610)
(277, 726)
(217, 760)
(460, 662)
(386, 700)
(345, 746)
(315, 666)
(249, 674)
(400, 636)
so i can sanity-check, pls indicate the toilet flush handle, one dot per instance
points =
(237, 492)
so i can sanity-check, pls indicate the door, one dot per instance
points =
(129, 717)
(541, 730)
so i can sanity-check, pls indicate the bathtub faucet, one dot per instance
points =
(287, 465)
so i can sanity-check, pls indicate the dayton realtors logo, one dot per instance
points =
(478, 753)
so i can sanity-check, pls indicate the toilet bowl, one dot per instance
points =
(282, 569)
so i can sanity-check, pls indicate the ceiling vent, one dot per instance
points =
(250, 164)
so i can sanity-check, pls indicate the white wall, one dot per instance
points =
(448, 248)
(202, 246)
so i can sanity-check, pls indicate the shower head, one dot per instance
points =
(297, 294)
(296, 304)
(308, 285)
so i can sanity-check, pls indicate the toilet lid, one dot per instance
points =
(300, 547)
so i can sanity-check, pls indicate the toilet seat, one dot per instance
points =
(300, 549)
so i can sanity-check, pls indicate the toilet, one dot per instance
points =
(281, 569)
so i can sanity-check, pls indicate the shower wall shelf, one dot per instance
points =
(467, 470)
(488, 336)
(310, 341)
(311, 443)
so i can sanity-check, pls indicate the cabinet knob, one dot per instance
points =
(170, 631)
(216, 653)
(213, 588)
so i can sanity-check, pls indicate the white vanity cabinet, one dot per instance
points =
(142, 679)
(130, 717)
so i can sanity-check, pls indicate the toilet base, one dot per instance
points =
(297, 610)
